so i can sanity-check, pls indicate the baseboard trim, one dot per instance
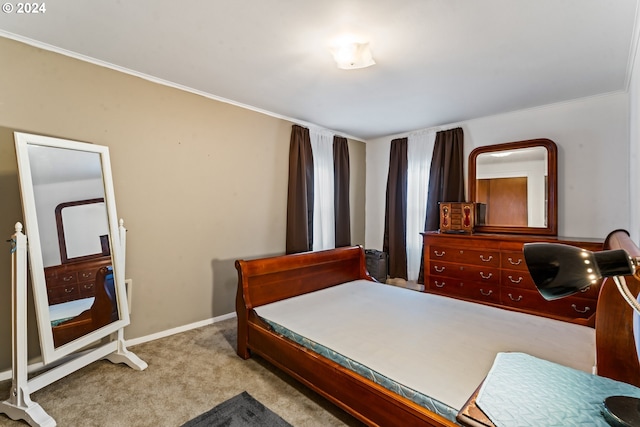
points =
(135, 341)
(36, 366)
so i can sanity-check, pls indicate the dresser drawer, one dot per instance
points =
(570, 307)
(63, 278)
(513, 260)
(591, 292)
(62, 293)
(73, 280)
(517, 278)
(466, 272)
(50, 274)
(87, 274)
(465, 256)
(87, 289)
(480, 292)
(522, 279)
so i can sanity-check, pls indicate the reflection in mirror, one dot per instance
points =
(515, 184)
(512, 184)
(83, 229)
(71, 225)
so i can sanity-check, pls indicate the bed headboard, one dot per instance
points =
(272, 279)
(615, 343)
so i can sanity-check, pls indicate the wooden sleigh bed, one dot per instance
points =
(102, 312)
(264, 281)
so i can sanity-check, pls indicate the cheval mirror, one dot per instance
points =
(72, 228)
(516, 186)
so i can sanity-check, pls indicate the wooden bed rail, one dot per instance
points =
(615, 344)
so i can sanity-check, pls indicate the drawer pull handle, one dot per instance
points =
(67, 278)
(515, 299)
(515, 281)
(483, 259)
(439, 254)
(438, 285)
(86, 275)
(488, 276)
(69, 290)
(515, 263)
(88, 286)
(578, 310)
(486, 294)
(439, 269)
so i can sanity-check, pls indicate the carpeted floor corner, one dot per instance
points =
(188, 374)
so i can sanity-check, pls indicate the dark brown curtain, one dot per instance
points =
(341, 191)
(300, 193)
(446, 178)
(395, 217)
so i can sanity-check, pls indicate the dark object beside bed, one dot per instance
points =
(376, 264)
(272, 279)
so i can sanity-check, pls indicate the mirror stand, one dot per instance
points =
(19, 404)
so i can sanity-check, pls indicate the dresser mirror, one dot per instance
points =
(83, 230)
(72, 231)
(515, 185)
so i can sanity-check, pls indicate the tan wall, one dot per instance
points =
(198, 182)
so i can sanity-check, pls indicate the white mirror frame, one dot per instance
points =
(51, 353)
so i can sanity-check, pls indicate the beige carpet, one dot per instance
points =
(188, 374)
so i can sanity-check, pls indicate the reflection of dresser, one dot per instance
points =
(490, 269)
(73, 280)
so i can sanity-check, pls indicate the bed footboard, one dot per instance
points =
(615, 342)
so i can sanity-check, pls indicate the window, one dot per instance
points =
(323, 193)
(419, 153)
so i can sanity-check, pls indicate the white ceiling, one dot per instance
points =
(438, 61)
(52, 165)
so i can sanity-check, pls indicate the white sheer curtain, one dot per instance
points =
(324, 233)
(419, 152)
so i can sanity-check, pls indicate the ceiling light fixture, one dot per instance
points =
(352, 55)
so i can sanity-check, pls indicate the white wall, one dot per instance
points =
(592, 135)
(634, 149)
(48, 197)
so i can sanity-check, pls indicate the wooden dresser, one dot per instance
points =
(490, 269)
(73, 280)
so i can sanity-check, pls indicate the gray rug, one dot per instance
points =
(239, 411)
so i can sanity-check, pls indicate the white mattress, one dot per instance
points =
(69, 309)
(438, 346)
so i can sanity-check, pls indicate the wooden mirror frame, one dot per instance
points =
(62, 241)
(552, 186)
